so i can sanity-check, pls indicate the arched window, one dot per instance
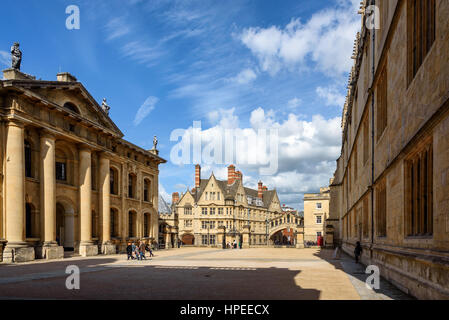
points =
(113, 176)
(71, 107)
(131, 186)
(146, 190)
(114, 223)
(32, 221)
(61, 166)
(132, 219)
(146, 225)
(28, 160)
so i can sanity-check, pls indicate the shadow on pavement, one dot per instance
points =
(357, 275)
(147, 282)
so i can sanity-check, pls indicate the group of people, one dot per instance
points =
(233, 245)
(137, 251)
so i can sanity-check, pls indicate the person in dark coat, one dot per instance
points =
(357, 252)
(129, 251)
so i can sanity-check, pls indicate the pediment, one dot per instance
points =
(73, 94)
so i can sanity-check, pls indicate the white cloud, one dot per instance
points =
(331, 96)
(141, 52)
(294, 103)
(145, 109)
(326, 40)
(245, 76)
(5, 58)
(308, 150)
(117, 27)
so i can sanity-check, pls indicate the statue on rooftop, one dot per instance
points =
(155, 143)
(16, 56)
(105, 107)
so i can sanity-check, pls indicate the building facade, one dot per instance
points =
(316, 211)
(69, 181)
(218, 211)
(168, 223)
(391, 185)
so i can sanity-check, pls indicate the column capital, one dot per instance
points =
(45, 133)
(104, 156)
(85, 148)
(12, 122)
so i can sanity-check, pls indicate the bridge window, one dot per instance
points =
(319, 220)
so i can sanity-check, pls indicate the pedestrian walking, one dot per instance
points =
(148, 248)
(129, 251)
(142, 251)
(136, 251)
(357, 251)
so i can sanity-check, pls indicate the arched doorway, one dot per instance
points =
(188, 239)
(65, 226)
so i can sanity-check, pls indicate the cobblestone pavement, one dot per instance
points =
(198, 274)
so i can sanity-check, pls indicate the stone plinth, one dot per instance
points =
(2, 247)
(18, 254)
(246, 232)
(14, 74)
(108, 249)
(88, 250)
(53, 253)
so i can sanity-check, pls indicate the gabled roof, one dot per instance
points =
(27, 86)
(163, 207)
(230, 191)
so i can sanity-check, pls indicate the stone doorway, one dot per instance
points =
(188, 239)
(65, 226)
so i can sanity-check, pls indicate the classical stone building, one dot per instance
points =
(215, 210)
(391, 186)
(68, 180)
(316, 211)
(168, 223)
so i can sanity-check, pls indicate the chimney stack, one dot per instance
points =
(197, 176)
(238, 176)
(231, 174)
(175, 197)
(65, 77)
(260, 191)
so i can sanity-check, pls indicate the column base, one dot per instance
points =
(108, 249)
(18, 254)
(88, 250)
(300, 246)
(52, 253)
(2, 247)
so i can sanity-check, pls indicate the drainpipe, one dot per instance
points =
(373, 37)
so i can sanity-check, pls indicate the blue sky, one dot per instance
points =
(238, 64)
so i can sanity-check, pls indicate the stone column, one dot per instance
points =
(300, 237)
(50, 248)
(105, 205)
(246, 233)
(168, 238)
(221, 235)
(17, 249)
(87, 248)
